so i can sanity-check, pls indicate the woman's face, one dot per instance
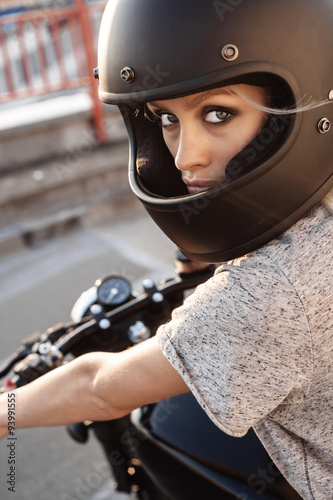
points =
(204, 131)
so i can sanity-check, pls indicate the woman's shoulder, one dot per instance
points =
(310, 235)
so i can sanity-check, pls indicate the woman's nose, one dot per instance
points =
(193, 150)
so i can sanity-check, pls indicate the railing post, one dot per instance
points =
(88, 40)
(7, 65)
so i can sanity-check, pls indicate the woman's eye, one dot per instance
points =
(168, 119)
(217, 116)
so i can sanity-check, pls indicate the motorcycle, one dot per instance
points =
(165, 451)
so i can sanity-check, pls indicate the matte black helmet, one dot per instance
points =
(160, 49)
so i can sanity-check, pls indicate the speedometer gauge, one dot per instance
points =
(113, 290)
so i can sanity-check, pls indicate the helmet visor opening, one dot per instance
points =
(155, 165)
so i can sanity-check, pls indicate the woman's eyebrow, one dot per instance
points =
(197, 99)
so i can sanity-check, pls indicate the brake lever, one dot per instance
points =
(38, 344)
(23, 351)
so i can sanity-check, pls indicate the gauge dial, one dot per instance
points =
(113, 290)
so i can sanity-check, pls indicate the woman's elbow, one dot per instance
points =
(103, 391)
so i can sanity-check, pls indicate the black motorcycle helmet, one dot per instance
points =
(159, 49)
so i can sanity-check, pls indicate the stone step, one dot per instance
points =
(37, 204)
(37, 130)
(54, 173)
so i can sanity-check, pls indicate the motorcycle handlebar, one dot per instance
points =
(41, 353)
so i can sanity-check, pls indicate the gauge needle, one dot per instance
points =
(112, 293)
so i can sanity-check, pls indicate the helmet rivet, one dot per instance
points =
(127, 74)
(330, 95)
(230, 52)
(324, 125)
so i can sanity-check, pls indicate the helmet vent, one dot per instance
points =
(127, 74)
(230, 52)
(324, 125)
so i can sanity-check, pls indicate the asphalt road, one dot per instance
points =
(38, 287)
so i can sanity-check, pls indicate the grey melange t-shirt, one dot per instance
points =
(255, 346)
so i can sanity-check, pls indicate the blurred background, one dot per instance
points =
(63, 152)
(67, 216)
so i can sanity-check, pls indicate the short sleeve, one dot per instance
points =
(241, 343)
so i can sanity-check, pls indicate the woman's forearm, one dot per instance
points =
(60, 397)
(96, 386)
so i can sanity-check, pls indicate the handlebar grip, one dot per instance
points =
(29, 369)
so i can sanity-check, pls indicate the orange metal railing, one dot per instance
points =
(50, 49)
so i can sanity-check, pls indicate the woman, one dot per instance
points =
(231, 163)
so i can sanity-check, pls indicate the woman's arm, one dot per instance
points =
(95, 386)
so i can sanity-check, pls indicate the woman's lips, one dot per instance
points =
(197, 187)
